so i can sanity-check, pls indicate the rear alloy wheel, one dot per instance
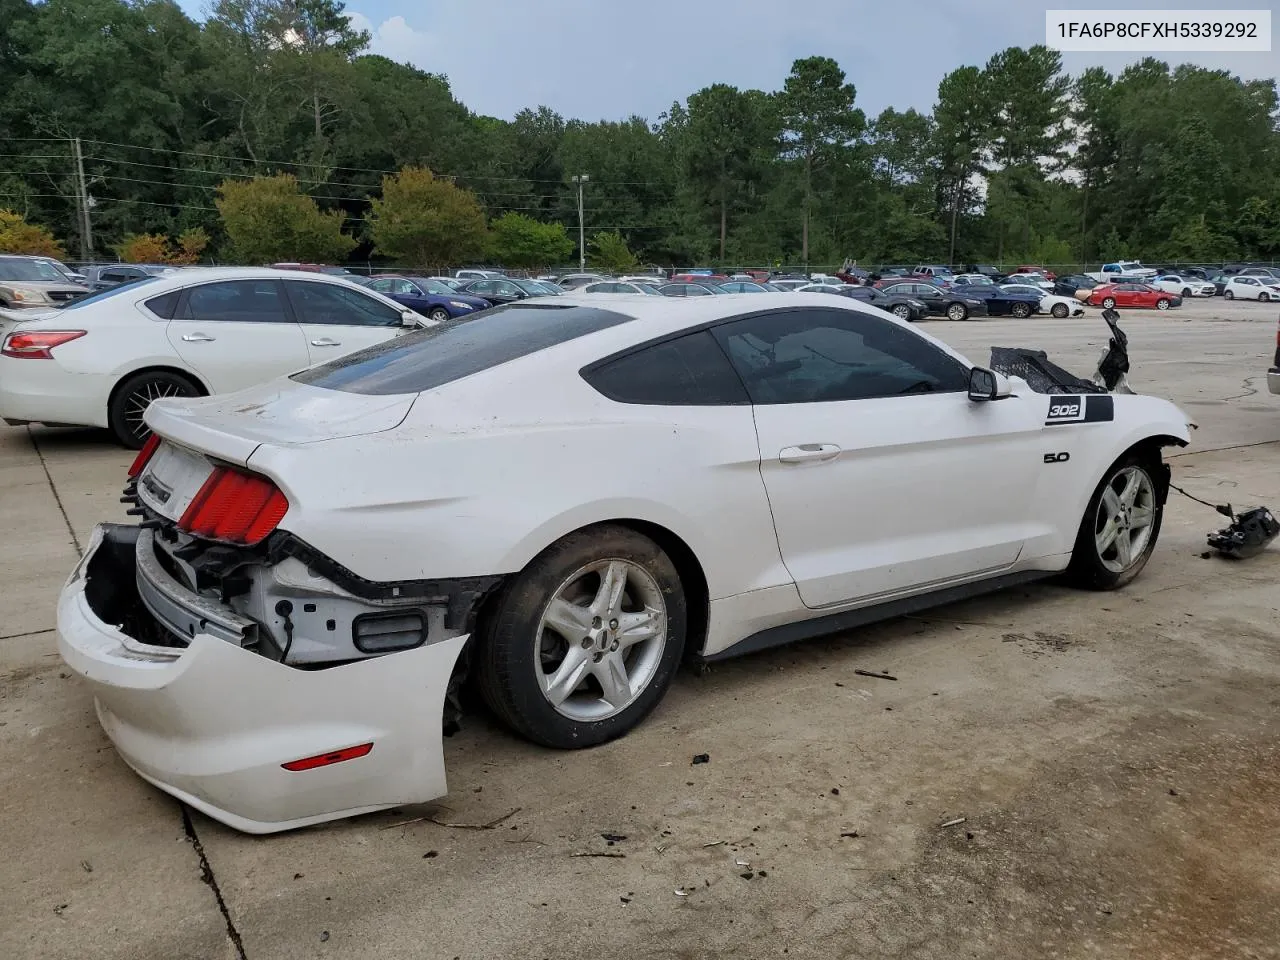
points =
(1108, 303)
(1162, 304)
(902, 312)
(1021, 310)
(1120, 526)
(957, 311)
(1228, 294)
(583, 643)
(1059, 310)
(129, 403)
(438, 315)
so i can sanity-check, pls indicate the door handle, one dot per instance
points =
(809, 453)
(326, 342)
(197, 338)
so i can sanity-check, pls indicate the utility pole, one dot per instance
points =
(580, 179)
(82, 198)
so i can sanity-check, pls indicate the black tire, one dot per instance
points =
(507, 656)
(1087, 568)
(1186, 293)
(1021, 310)
(1264, 297)
(438, 314)
(1227, 294)
(132, 396)
(1108, 303)
(1163, 304)
(1059, 310)
(957, 311)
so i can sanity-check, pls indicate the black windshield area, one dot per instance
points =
(434, 356)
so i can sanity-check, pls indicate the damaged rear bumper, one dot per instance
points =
(215, 724)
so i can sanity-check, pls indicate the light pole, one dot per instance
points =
(580, 179)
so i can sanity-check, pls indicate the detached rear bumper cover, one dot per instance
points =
(213, 723)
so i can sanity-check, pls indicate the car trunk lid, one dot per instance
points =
(282, 412)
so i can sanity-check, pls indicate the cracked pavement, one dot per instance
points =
(1113, 757)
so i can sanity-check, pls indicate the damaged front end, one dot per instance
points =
(1044, 376)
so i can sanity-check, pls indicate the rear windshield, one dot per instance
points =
(107, 294)
(432, 357)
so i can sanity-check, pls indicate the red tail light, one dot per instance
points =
(144, 455)
(235, 506)
(324, 759)
(37, 344)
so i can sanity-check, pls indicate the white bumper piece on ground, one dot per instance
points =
(214, 724)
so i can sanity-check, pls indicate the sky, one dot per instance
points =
(607, 59)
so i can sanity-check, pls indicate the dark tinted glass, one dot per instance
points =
(237, 301)
(332, 304)
(689, 371)
(823, 356)
(164, 305)
(432, 357)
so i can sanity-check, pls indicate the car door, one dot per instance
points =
(883, 477)
(236, 333)
(338, 319)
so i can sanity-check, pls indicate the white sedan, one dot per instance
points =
(1050, 303)
(578, 492)
(1185, 287)
(621, 286)
(1251, 288)
(101, 360)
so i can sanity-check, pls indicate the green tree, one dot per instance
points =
(18, 236)
(268, 219)
(818, 121)
(609, 252)
(520, 241)
(962, 140)
(425, 221)
(725, 134)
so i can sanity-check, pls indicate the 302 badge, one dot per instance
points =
(1074, 408)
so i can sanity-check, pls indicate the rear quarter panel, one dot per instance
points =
(479, 479)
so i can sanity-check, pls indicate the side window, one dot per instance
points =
(506, 288)
(689, 371)
(697, 291)
(674, 290)
(165, 305)
(332, 304)
(112, 276)
(482, 287)
(823, 356)
(236, 301)
(403, 287)
(382, 286)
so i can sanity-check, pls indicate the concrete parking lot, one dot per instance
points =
(1107, 763)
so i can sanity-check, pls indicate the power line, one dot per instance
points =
(295, 163)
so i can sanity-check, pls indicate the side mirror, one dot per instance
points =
(410, 319)
(987, 385)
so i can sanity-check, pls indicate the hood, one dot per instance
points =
(43, 286)
(283, 413)
(474, 299)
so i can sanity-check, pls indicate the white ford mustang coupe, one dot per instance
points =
(579, 493)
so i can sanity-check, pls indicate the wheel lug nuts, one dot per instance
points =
(614, 646)
(597, 657)
(613, 624)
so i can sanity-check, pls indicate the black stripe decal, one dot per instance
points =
(1067, 409)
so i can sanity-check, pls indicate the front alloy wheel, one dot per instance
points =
(1162, 304)
(1121, 525)
(1022, 310)
(902, 312)
(1059, 310)
(957, 311)
(438, 315)
(1108, 303)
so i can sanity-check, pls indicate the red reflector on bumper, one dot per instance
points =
(324, 759)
